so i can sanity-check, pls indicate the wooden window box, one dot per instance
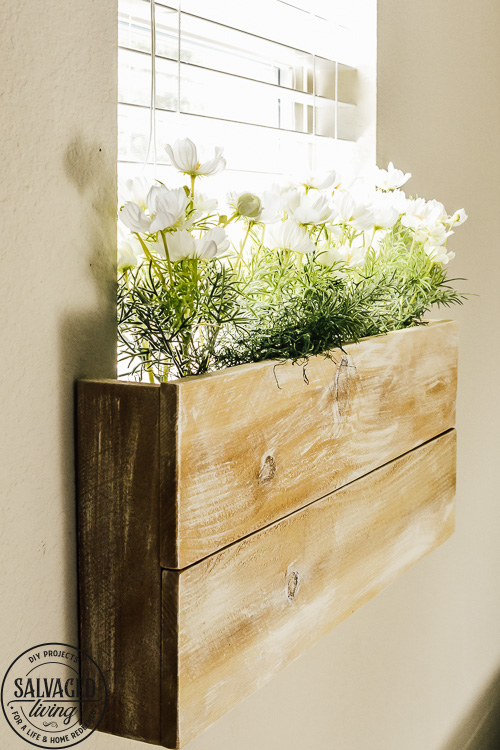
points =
(228, 521)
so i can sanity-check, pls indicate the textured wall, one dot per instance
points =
(57, 197)
(403, 672)
(439, 116)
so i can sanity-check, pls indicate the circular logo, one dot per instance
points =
(54, 695)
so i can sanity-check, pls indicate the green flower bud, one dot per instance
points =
(249, 205)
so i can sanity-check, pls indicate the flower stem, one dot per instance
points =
(169, 262)
(152, 260)
(149, 369)
(240, 251)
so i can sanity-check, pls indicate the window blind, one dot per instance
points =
(274, 82)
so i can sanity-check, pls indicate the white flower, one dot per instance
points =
(438, 210)
(457, 219)
(385, 212)
(288, 235)
(184, 157)
(213, 244)
(133, 189)
(422, 214)
(390, 178)
(202, 203)
(134, 218)
(128, 251)
(320, 182)
(397, 199)
(329, 256)
(436, 234)
(348, 211)
(438, 253)
(167, 206)
(351, 255)
(308, 208)
(182, 244)
(271, 206)
(335, 232)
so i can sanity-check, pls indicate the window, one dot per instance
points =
(282, 86)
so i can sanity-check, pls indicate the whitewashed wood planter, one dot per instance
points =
(228, 521)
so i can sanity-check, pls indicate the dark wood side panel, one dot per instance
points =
(169, 509)
(118, 542)
(170, 659)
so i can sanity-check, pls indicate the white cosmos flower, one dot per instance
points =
(351, 255)
(348, 211)
(457, 219)
(436, 235)
(321, 182)
(182, 244)
(390, 178)
(397, 198)
(184, 157)
(438, 208)
(308, 208)
(385, 212)
(128, 252)
(168, 207)
(134, 218)
(213, 244)
(438, 254)
(202, 203)
(422, 214)
(271, 206)
(288, 235)
(133, 189)
(329, 255)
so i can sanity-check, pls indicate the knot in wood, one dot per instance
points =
(268, 468)
(292, 585)
(342, 386)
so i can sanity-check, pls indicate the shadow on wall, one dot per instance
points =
(87, 335)
(480, 730)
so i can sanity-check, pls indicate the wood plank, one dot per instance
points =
(247, 611)
(249, 452)
(118, 549)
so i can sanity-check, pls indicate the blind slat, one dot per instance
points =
(285, 87)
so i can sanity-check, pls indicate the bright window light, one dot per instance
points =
(284, 87)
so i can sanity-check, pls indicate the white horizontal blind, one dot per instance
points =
(274, 82)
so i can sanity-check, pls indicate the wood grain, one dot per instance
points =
(245, 612)
(118, 549)
(223, 477)
(255, 443)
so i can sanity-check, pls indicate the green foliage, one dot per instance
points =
(193, 316)
(169, 325)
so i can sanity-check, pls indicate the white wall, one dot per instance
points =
(404, 671)
(57, 198)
